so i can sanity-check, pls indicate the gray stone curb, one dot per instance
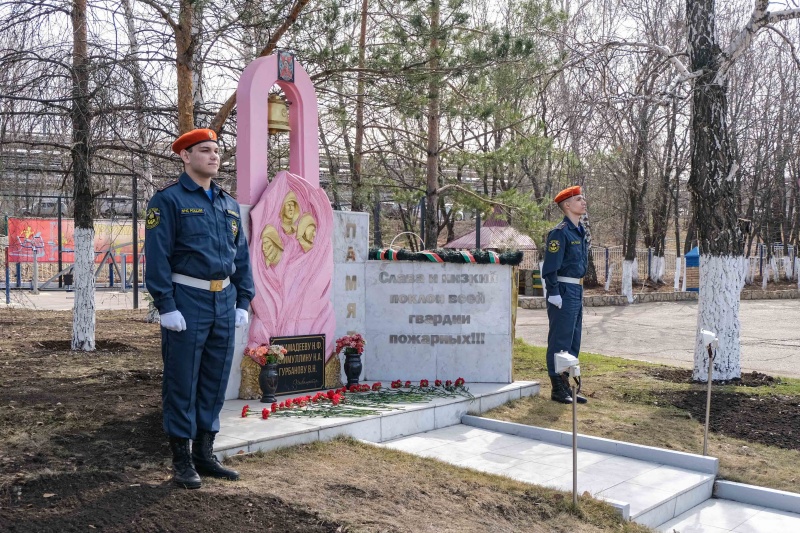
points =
(761, 496)
(538, 302)
(689, 461)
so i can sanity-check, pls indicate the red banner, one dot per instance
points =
(40, 235)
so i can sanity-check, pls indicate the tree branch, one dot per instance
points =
(225, 111)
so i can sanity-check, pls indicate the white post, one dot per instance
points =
(35, 279)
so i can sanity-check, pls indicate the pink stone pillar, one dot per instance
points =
(252, 136)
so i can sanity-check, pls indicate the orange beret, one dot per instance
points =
(189, 139)
(569, 192)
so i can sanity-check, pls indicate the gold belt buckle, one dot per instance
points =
(216, 285)
(581, 281)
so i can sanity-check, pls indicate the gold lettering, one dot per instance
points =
(351, 310)
(350, 226)
(351, 283)
(351, 254)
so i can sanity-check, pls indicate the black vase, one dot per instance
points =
(268, 381)
(352, 366)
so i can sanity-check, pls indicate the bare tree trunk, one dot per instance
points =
(432, 191)
(83, 316)
(197, 63)
(139, 94)
(184, 59)
(713, 199)
(355, 179)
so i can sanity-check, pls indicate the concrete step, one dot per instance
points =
(251, 434)
(647, 492)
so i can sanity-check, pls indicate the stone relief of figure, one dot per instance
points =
(306, 232)
(292, 256)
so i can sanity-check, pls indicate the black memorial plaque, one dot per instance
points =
(303, 366)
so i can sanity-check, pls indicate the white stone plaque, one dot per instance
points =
(438, 321)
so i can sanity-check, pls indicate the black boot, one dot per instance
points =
(205, 460)
(579, 397)
(559, 393)
(184, 473)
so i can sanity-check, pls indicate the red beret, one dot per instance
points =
(189, 139)
(569, 192)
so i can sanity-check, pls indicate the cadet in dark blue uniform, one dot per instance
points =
(198, 273)
(565, 262)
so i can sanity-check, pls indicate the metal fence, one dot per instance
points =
(107, 275)
(608, 263)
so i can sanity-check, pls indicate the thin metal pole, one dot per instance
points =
(8, 275)
(135, 235)
(478, 230)
(574, 445)
(708, 399)
(60, 264)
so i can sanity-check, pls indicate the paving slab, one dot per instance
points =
(663, 332)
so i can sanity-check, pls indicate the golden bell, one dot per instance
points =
(278, 111)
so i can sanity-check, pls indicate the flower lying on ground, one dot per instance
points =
(360, 400)
(266, 353)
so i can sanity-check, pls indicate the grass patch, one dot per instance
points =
(627, 402)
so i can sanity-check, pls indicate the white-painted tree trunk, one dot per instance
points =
(635, 270)
(610, 276)
(721, 282)
(776, 274)
(678, 263)
(83, 313)
(797, 270)
(765, 276)
(787, 267)
(628, 267)
(749, 274)
(658, 269)
(544, 285)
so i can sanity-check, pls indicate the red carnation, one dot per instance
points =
(265, 413)
(448, 383)
(438, 382)
(336, 399)
(244, 410)
(459, 382)
(423, 383)
(407, 384)
(376, 385)
(273, 407)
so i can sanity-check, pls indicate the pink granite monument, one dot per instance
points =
(290, 218)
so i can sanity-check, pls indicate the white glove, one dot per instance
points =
(173, 321)
(555, 300)
(241, 318)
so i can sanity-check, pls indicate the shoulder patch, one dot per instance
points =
(561, 225)
(153, 218)
(553, 246)
(226, 192)
(170, 184)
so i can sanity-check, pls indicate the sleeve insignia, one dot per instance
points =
(235, 227)
(153, 218)
(553, 246)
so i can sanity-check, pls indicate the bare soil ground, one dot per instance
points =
(82, 449)
(771, 419)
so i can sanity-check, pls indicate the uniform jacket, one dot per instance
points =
(566, 254)
(186, 233)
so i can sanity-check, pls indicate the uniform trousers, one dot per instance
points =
(197, 361)
(566, 324)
